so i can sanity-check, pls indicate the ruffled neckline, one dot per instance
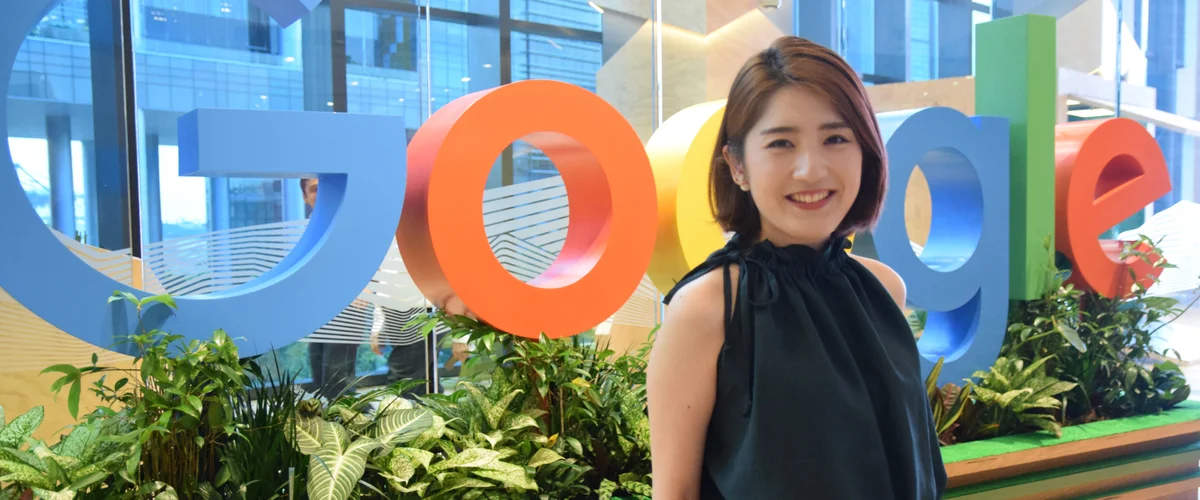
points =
(795, 257)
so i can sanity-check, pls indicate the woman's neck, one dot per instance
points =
(783, 240)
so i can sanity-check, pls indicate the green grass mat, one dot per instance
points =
(1184, 412)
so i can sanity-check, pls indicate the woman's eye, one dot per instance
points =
(779, 143)
(837, 139)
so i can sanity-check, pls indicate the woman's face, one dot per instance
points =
(802, 165)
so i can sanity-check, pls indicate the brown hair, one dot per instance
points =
(795, 61)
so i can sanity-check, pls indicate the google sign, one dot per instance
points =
(1000, 184)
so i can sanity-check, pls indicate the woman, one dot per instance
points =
(784, 367)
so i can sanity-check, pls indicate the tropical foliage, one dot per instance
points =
(541, 419)
(1071, 357)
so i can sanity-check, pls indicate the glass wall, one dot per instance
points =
(395, 57)
(77, 191)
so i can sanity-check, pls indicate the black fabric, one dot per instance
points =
(819, 387)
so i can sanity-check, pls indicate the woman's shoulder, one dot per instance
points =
(887, 276)
(698, 305)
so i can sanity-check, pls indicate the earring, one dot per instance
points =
(745, 187)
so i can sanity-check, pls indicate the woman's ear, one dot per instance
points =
(736, 170)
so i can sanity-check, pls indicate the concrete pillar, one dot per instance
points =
(218, 204)
(91, 192)
(891, 39)
(152, 199)
(62, 186)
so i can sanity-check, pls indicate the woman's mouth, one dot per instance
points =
(811, 200)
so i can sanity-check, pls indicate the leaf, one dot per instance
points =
(509, 475)
(1054, 389)
(134, 460)
(1047, 425)
(432, 434)
(126, 296)
(467, 459)
(196, 404)
(25, 457)
(222, 476)
(417, 456)
(167, 493)
(207, 491)
(24, 474)
(158, 299)
(353, 419)
(54, 495)
(544, 456)
(952, 415)
(401, 426)
(88, 480)
(931, 387)
(418, 488)
(492, 438)
(1006, 399)
(521, 421)
(1045, 402)
(1160, 303)
(575, 445)
(402, 468)
(73, 399)
(1068, 332)
(307, 434)
(334, 470)
(459, 481)
(16, 432)
(187, 408)
(74, 444)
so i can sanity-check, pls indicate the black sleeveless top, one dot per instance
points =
(819, 386)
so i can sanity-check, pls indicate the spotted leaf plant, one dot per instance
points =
(81, 461)
(343, 441)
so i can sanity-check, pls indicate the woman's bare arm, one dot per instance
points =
(681, 385)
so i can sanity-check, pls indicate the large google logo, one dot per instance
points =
(634, 209)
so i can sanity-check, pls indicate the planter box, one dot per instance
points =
(1146, 457)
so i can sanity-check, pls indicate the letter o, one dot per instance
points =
(681, 152)
(608, 180)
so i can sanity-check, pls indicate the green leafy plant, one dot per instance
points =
(478, 447)
(917, 319)
(342, 439)
(1104, 345)
(76, 465)
(1013, 398)
(175, 399)
(947, 403)
(259, 461)
(591, 398)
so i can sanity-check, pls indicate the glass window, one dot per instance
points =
(566, 13)
(50, 125)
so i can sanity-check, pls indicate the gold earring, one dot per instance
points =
(745, 187)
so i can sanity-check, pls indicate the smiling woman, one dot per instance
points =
(799, 165)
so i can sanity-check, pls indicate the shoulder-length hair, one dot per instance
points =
(795, 61)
